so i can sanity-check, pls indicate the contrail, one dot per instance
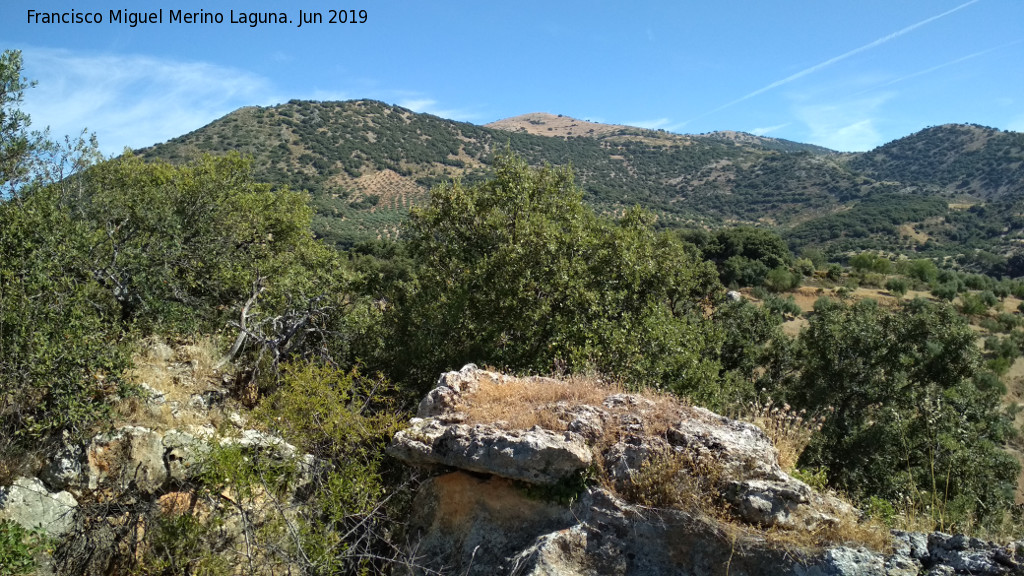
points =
(937, 67)
(832, 61)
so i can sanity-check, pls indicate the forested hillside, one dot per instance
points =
(366, 163)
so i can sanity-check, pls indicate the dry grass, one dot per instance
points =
(178, 371)
(522, 403)
(679, 481)
(789, 430)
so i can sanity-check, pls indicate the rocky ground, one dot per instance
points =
(493, 506)
(527, 476)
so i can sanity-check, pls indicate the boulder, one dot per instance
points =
(28, 503)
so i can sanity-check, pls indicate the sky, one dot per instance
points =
(848, 75)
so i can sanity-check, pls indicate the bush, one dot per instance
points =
(973, 305)
(781, 280)
(19, 548)
(517, 272)
(897, 286)
(945, 292)
(913, 406)
(784, 307)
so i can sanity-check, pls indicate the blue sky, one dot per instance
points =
(849, 75)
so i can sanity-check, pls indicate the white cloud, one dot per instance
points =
(131, 100)
(845, 126)
(430, 106)
(650, 124)
(768, 129)
(137, 101)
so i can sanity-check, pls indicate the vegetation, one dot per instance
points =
(914, 409)
(507, 261)
(518, 272)
(366, 164)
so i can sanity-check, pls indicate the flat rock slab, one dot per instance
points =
(536, 456)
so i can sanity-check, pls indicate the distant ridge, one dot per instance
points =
(943, 190)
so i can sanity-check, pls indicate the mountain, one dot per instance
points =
(365, 163)
(970, 160)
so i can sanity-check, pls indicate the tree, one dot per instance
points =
(518, 272)
(16, 144)
(897, 286)
(914, 412)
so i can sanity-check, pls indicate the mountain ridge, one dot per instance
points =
(365, 163)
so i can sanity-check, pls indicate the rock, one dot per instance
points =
(262, 442)
(151, 395)
(130, 458)
(537, 456)
(443, 399)
(28, 503)
(183, 454)
(912, 544)
(475, 521)
(587, 421)
(742, 448)
(734, 296)
(844, 561)
(484, 526)
(64, 470)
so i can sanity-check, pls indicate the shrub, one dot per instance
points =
(897, 286)
(784, 307)
(19, 548)
(781, 280)
(947, 291)
(914, 405)
(517, 271)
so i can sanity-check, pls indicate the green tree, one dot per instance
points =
(518, 272)
(914, 412)
(897, 286)
(16, 143)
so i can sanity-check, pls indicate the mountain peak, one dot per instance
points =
(544, 124)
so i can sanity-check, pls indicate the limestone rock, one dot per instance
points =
(537, 456)
(64, 470)
(30, 504)
(132, 457)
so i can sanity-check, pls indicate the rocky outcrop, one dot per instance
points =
(27, 502)
(492, 506)
(537, 456)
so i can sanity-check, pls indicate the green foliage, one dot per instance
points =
(176, 243)
(781, 280)
(947, 291)
(184, 544)
(913, 408)
(816, 478)
(880, 509)
(753, 337)
(345, 420)
(62, 352)
(921, 270)
(19, 548)
(17, 145)
(898, 286)
(783, 307)
(748, 256)
(518, 272)
(871, 262)
(973, 304)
